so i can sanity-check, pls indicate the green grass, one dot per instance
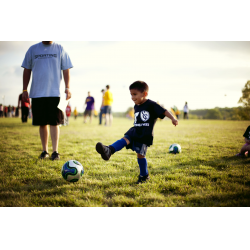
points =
(206, 173)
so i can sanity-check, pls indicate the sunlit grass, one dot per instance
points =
(206, 173)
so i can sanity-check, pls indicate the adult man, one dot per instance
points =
(101, 109)
(46, 60)
(24, 107)
(107, 102)
(90, 101)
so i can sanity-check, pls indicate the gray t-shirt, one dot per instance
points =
(46, 63)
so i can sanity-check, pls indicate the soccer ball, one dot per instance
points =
(72, 171)
(174, 148)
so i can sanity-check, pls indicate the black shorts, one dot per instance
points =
(46, 112)
(88, 112)
(138, 147)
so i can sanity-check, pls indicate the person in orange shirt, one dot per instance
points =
(107, 102)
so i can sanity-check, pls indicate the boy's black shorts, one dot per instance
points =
(138, 147)
(46, 112)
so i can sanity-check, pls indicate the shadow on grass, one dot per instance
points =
(220, 164)
(238, 199)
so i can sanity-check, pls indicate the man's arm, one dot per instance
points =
(26, 80)
(170, 116)
(66, 76)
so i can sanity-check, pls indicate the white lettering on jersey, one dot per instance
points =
(136, 114)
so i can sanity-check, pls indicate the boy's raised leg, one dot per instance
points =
(107, 151)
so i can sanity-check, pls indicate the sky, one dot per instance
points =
(204, 74)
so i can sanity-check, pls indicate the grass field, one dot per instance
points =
(206, 173)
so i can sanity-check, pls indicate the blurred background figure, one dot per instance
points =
(107, 102)
(13, 109)
(68, 113)
(130, 113)
(75, 113)
(101, 109)
(185, 110)
(17, 112)
(5, 111)
(175, 111)
(25, 105)
(90, 102)
(30, 111)
(1, 110)
(9, 111)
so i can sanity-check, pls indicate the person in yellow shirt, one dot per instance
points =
(107, 103)
(75, 113)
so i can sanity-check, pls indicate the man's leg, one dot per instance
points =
(54, 133)
(100, 117)
(44, 135)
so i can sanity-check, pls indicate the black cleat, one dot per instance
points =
(44, 155)
(55, 156)
(143, 179)
(103, 150)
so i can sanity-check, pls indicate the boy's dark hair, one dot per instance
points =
(107, 86)
(140, 86)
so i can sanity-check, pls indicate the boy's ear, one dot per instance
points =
(145, 93)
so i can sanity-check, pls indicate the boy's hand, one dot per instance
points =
(174, 121)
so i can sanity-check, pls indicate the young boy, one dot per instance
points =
(139, 137)
(245, 150)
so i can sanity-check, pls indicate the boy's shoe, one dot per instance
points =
(103, 150)
(143, 179)
(44, 155)
(55, 156)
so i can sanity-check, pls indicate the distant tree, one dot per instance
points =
(213, 114)
(245, 100)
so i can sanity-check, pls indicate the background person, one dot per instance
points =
(68, 114)
(107, 102)
(90, 102)
(25, 104)
(13, 109)
(5, 111)
(185, 110)
(9, 111)
(75, 113)
(245, 150)
(101, 109)
(1, 110)
(46, 60)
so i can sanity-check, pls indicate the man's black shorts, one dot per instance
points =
(46, 112)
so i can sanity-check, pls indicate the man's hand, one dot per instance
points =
(174, 121)
(68, 93)
(25, 96)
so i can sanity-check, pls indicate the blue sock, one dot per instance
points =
(118, 145)
(143, 166)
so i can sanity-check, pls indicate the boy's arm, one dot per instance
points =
(170, 116)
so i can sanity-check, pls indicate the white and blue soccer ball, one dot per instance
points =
(72, 171)
(175, 148)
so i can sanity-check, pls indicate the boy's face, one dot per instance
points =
(138, 97)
